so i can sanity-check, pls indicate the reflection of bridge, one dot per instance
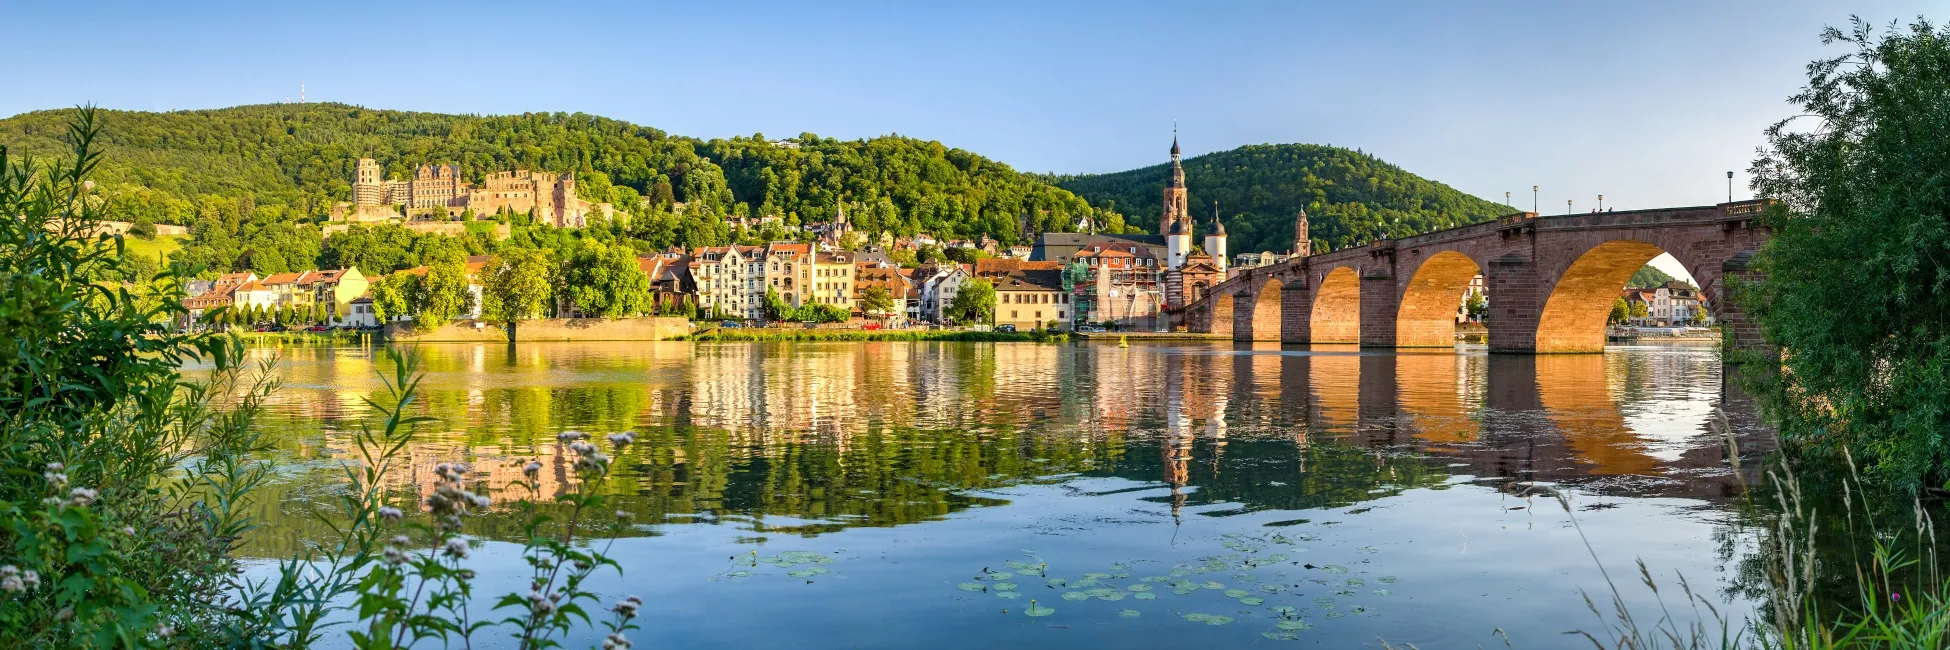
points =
(1551, 281)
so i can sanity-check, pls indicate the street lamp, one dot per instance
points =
(1567, 206)
(1601, 203)
(1506, 201)
(1533, 199)
(1729, 187)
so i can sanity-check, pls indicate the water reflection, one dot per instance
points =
(828, 436)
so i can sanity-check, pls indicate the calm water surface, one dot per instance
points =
(1364, 495)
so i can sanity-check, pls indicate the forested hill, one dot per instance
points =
(290, 162)
(1350, 197)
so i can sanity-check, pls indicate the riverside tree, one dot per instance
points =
(1858, 266)
(973, 304)
(605, 280)
(519, 283)
(443, 294)
(877, 302)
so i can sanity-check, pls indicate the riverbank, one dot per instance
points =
(792, 334)
(1150, 336)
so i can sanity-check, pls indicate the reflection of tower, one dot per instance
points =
(1177, 443)
(1215, 430)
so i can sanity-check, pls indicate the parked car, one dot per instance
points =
(1006, 328)
(318, 328)
(731, 324)
(871, 326)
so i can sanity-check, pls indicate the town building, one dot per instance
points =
(1033, 298)
(729, 281)
(789, 271)
(833, 280)
(868, 275)
(939, 284)
(670, 280)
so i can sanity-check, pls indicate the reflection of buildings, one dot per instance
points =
(889, 432)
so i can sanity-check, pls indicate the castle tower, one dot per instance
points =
(1215, 243)
(1175, 207)
(1302, 245)
(366, 188)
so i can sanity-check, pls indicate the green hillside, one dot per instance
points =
(1351, 198)
(292, 161)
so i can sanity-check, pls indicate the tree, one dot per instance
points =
(1620, 310)
(877, 302)
(443, 294)
(1639, 310)
(391, 295)
(974, 303)
(605, 280)
(520, 282)
(1476, 307)
(1854, 291)
(775, 307)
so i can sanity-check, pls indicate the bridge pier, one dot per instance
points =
(1517, 301)
(1738, 332)
(1380, 306)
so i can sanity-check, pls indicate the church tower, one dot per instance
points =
(1176, 209)
(1302, 246)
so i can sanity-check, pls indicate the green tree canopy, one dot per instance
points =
(1858, 266)
(974, 303)
(605, 280)
(519, 285)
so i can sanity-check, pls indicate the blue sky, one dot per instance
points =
(1648, 103)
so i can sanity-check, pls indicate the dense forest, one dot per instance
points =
(253, 183)
(1351, 198)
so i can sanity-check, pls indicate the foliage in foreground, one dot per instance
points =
(124, 489)
(1858, 266)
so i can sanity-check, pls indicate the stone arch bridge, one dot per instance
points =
(1550, 281)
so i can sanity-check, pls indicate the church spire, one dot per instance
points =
(1175, 207)
(1302, 244)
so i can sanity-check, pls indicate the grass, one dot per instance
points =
(873, 335)
(1901, 598)
(157, 249)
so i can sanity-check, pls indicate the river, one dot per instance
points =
(901, 495)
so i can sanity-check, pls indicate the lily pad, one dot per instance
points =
(1236, 593)
(1284, 609)
(1038, 610)
(1218, 620)
(1387, 580)
(1097, 576)
(1086, 582)
(1197, 617)
(1252, 601)
(1383, 592)
(1129, 613)
(1004, 586)
(972, 586)
(1000, 575)
(1075, 595)
(1281, 636)
(741, 573)
(1154, 579)
(808, 572)
(1144, 595)
(1113, 596)
(1294, 624)
(1057, 582)
(1139, 588)
(1214, 585)
(1334, 568)
(1356, 582)
(1008, 594)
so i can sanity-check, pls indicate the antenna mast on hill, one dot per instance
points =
(301, 92)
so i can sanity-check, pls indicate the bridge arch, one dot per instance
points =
(1574, 315)
(1222, 314)
(1263, 322)
(1336, 313)
(1427, 313)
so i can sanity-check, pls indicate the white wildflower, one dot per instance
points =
(390, 513)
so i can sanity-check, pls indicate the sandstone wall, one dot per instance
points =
(555, 329)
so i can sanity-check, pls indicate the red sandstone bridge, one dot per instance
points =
(1550, 281)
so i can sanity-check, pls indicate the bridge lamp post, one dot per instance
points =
(1533, 199)
(1729, 186)
(1567, 206)
(1506, 201)
(1601, 203)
